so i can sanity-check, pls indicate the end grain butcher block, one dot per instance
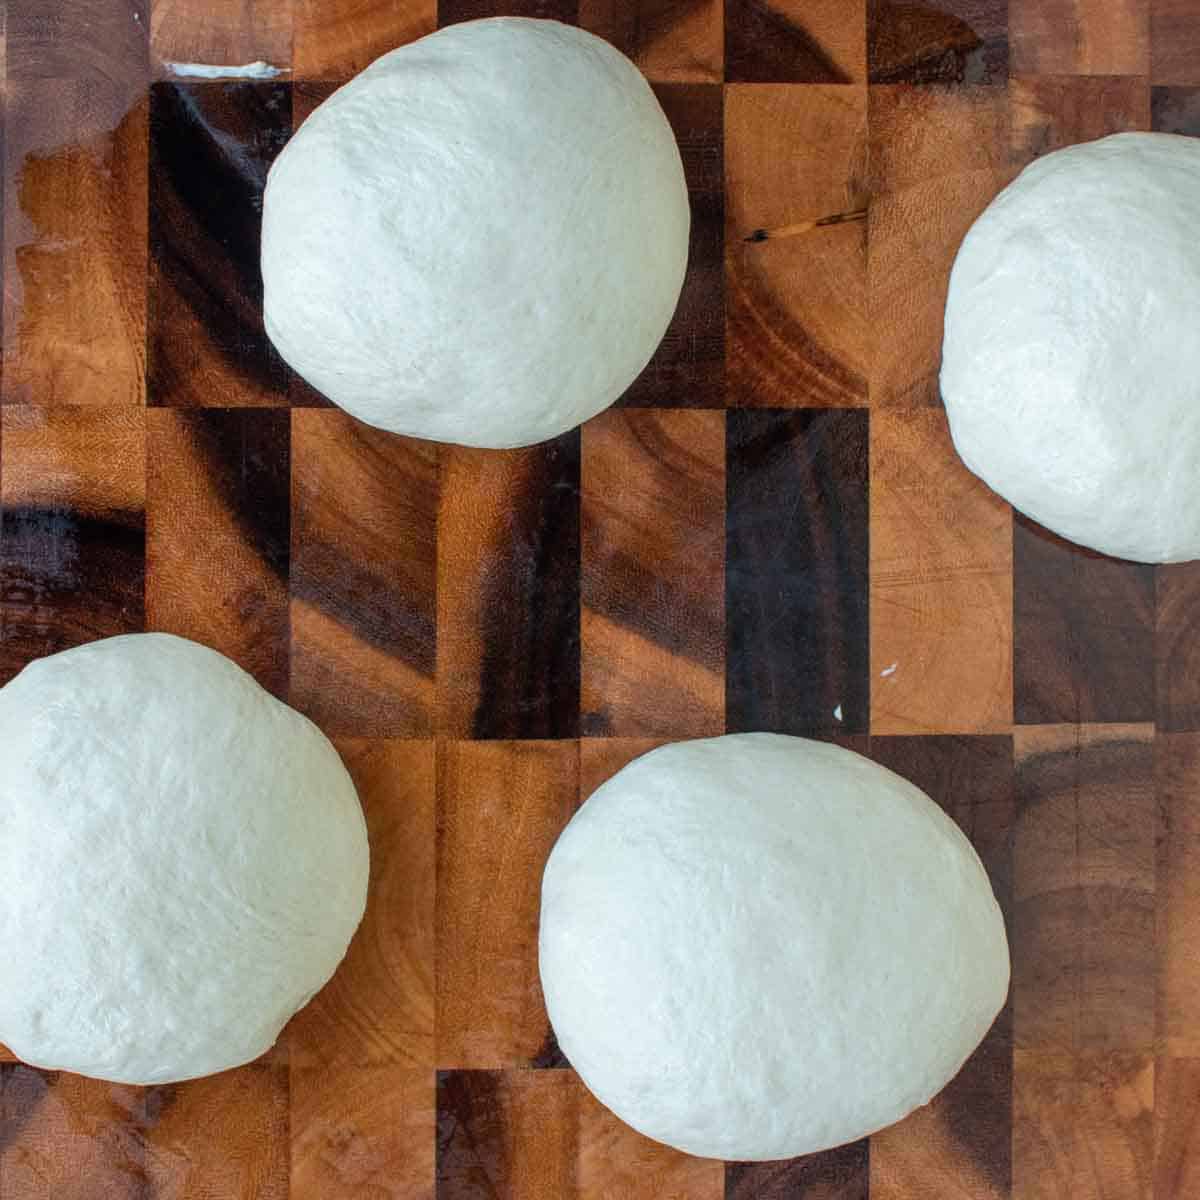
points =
(771, 531)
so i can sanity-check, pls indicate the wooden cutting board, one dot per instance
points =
(771, 531)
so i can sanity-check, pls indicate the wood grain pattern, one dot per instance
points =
(1080, 37)
(207, 345)
(797, 321)
(1176, 1127)
(335, 39)
(945, 42)
(1083, 946)
(362, 1133)
(222, 31)
(687, 370)
(508, 591)
(676, 41)
(1050, 112)
(1174, 42)
(601, 758)
(217, 522)
(501, 806)
(75, 240)
(938, 156)
(796, 577)
(795, 41)
(1177, 647)
(451, 11)
(1083, 1127)
(379, 1009)
(653, 618)
(1175, 110)
(840, 1174)
(1083, 649)
(78, 39)
(363, 577)
(941, 584)
(72, 530)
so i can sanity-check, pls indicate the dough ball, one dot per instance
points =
(481, 238)
(183, 861)
(1071, 365)
(757, 946)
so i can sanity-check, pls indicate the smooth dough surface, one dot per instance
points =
(480, 239)
(183, 861)
(1071, 363)
(758, 946)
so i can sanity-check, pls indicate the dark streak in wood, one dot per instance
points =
(764, 45)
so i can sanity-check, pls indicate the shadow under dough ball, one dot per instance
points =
(183, 861)
(757, 946)
(1071, 361)
(480, 239)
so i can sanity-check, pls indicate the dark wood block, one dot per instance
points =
(226, 1135)
(1176, 1127)
(670, 41)
(941, 584)
(335, 39)
(1083, 1125)
(1083, 648)
(222, 31)
(451, 11)
(506, 1135)
(363, 577)
(1177, 647)
(207, 347)
(1175, 110)
(688, 368)
(797, 320)
(652, 626)
(1083, 927)
(98, 40)
(796, 586)
(362, 1132)
(1080, 37)
(501, 807)
(72, 531)
(508, 591)
(938, 157)
(218, 520)
(378, 1009)
(1174, 42)
(947, 42)
(795, 41)
(843, 1173)
(75, 236)
(1050, 112)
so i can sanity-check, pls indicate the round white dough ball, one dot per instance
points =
(481, 238)
(183, 861)
(757, 946)
(1071, 362)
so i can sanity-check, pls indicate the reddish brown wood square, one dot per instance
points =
(1083, 1127)
(508, 591)
(1080, 37)
(222, 31)
(795, 41)
(941, 584)
(1050, 112)
(362, 1132)
(97, 40)
(1175, 110)
(601, 758)
(1176, 1128)
(1174, 41)
(506, 1135)
(378, 1010)
(938, 156)
(797, 320)
(653, 551)
(335, 39)
(75, 245)
(451, 11)
(676, 41)
(1083, 928)
(363, 576)
(945, 42)
(501, 806)
(72, 532)
(1177, 645)
(217, 518)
